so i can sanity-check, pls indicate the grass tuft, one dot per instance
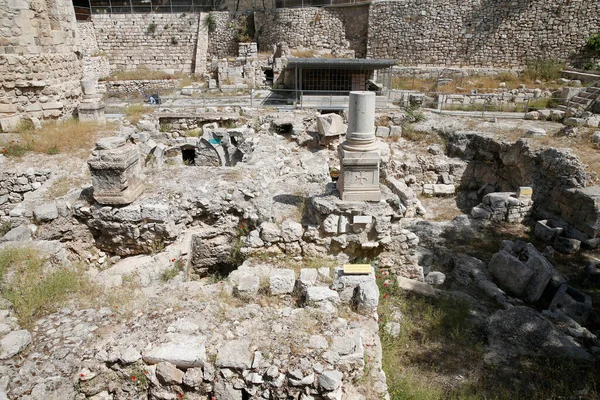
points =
(33, 291)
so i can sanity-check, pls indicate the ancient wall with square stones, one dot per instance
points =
(40, 65)
(480, 32)
(153, 41)
(314, 28)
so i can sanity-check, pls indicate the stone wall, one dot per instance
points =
(314, 28)
(480, 32)
(14, 185)
(40, 65)
(222, 39)
(140, 86)
(155, 41)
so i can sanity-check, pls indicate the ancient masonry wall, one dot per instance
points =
(96, 64)
(222, 39)
(154, 41)
(40, 67)
(14, 185)
(480, 32)
(315, 28)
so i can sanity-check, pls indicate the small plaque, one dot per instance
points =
(356, 269)
(524, 191)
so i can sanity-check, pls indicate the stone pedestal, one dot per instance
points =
(115, 169)
(91, 107)
(359, 155)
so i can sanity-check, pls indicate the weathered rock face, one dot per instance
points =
(523, 331)
(557, 178)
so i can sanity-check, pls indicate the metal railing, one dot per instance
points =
(276, 98)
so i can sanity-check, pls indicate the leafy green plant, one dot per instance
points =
(414, 113)
(210, 22)
(593, 42)
(151, 29)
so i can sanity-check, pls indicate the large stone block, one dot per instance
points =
(115, 170)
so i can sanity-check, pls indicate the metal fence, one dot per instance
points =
(483, 105)
(85, 8)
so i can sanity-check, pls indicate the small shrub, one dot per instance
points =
(593, 42)
(174, 41)
(151, 29)
(210, 22)
(506, 76)
(544, 69)
(172, 272)
(414, 113)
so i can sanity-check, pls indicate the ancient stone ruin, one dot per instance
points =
(287, 201)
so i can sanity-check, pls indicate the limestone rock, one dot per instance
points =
(270, 232)
(184, 351)
(235, 354)
(168, 374)
(46, 212)
(282, 281)
(330, 125)
(317, 294)
(330, 380)
(291, 231)
(14, 343)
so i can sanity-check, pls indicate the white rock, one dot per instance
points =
(183, 351)
(282, 281)
(291, 231)
(330, 380)
(14, 343)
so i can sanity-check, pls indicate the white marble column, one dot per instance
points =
(359, 155)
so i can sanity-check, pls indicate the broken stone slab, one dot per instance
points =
(183, 351)
(510, 272)
(331, 125)
(480, 213)
(523, 331)
(382, 131)
(366, 297)
(546, 230)
(318, 294)
(14, 343)
(19, 234)
(308, 277)
(282, 281)
(435, 278)
(234, 354)
(168, 374)
(46, 212)
(330, 380)
(535, 132)
(438, 189)
(572, 302)
(412, 285)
